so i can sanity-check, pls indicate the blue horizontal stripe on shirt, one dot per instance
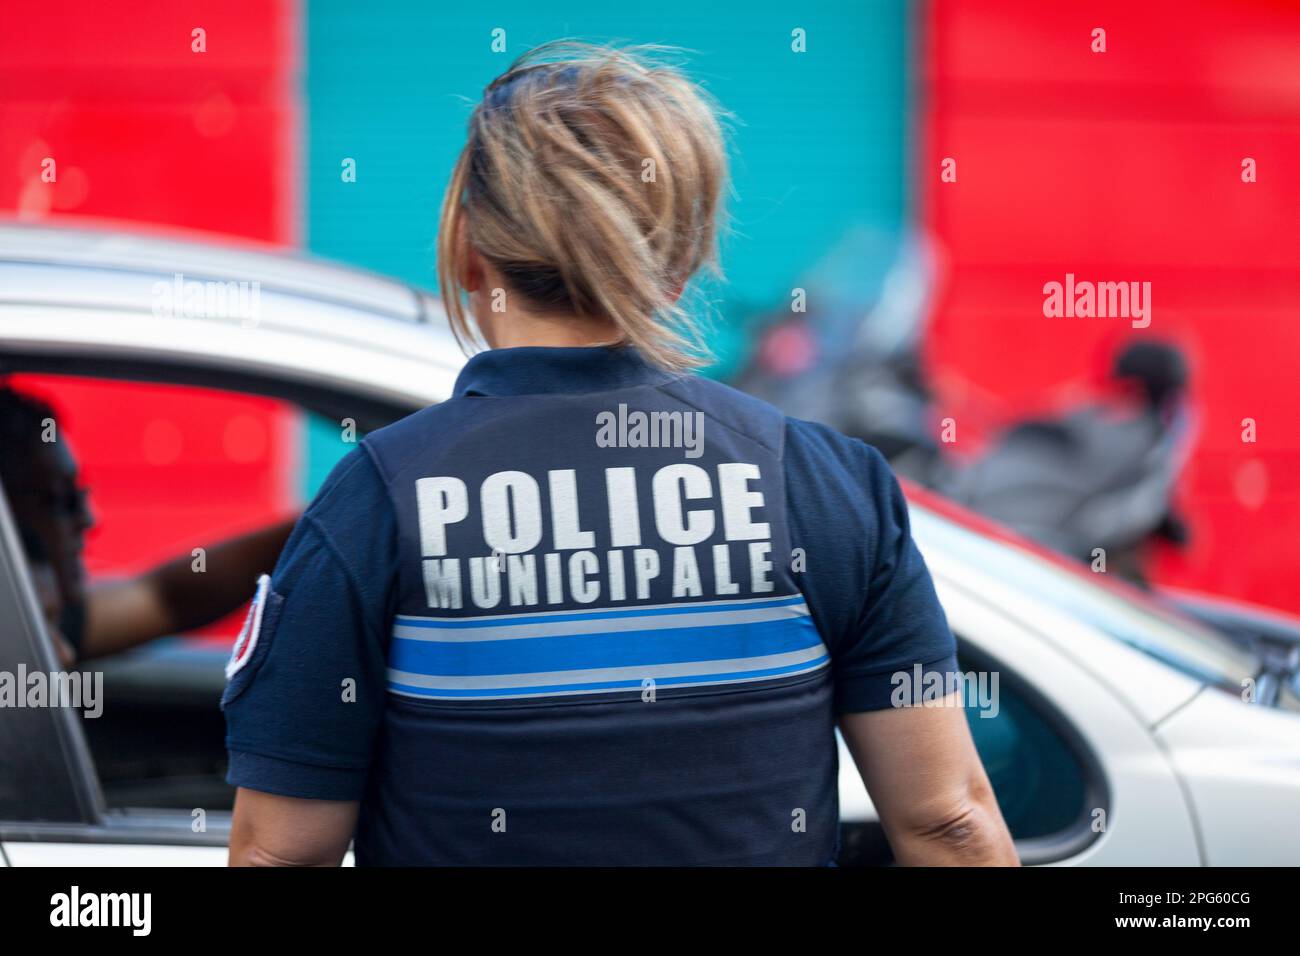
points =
(598, 686)
(613, 649)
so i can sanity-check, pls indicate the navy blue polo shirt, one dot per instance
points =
(585, 612)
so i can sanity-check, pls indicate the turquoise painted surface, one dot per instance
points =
(322, 447)
(818, 139)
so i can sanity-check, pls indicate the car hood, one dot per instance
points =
(1240, 765)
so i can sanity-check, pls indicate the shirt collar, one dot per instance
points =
(535, 370)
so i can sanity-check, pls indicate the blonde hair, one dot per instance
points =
(592, 179)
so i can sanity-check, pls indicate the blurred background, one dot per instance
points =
(923, 279)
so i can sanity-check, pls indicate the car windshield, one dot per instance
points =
(1116, 609)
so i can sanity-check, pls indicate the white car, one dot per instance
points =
(1119, 732)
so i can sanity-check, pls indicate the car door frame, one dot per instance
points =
(53, 755)
(58, 797)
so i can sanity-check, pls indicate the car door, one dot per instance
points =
(1078, 775)
(51, 808)
(350, 346)
(1135, 812)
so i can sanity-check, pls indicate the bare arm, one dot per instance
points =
(929, 787)
(270, 830)
(173, 598)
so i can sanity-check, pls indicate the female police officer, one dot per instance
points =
(506, 632)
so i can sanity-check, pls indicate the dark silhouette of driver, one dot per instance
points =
(51, 510)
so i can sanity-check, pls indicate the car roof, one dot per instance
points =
(109, 298)
(196, 255)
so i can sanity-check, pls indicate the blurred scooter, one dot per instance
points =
(1099, 477)
(1098, 482)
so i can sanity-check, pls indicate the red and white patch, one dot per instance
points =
(247, 640)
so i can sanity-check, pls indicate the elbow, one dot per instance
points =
(965, 830)
(271, 830)
(961, 834)
(254, 854)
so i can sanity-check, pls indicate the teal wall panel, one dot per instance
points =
(818, 139)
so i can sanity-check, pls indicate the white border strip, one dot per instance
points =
(246, 643)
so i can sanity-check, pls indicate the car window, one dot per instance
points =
(169, 472)
(1045, 781)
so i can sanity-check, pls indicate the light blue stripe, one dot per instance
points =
(600, 686)
(601, 614)
(612, 649)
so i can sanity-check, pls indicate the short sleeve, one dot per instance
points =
(306, 688)
(866, 584)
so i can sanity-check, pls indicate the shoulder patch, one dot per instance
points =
(247, 640)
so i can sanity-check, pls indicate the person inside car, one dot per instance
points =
(51, 510)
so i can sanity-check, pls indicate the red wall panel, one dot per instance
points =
(145, 130)
(1126, 166)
